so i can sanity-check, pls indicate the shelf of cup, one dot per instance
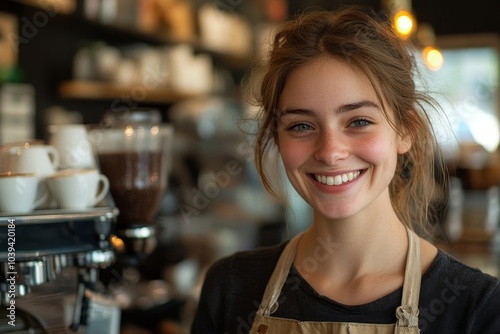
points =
(60, 7)
(97, 90)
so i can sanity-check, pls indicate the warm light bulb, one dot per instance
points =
(433, 58)
(117, 243)
(404, 23)
(129, 131)
(154, 130)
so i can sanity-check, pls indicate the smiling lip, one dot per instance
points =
(337, 179)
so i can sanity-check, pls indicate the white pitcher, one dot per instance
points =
(72, 143)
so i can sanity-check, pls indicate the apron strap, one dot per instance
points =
(407, 313)
(278, 278)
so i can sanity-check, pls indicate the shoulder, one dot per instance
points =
(258, 262)
(474, 277)
(232, 290)
(453, 292)
(241, 274)
(461, 279)
(480, 287)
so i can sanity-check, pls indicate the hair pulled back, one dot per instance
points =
(370, 45)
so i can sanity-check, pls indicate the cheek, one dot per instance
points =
(379, 150)
(292, 154)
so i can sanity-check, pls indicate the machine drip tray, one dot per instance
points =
(46, 306)
(51, 246)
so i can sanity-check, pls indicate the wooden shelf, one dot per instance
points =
(61, 7)
(128, 34)
(239, 62)
(233, 61)
(96, 90)
(110, 31)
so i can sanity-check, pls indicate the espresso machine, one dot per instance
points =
(36, 248)
(79, 248)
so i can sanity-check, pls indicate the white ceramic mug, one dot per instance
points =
(19, 191)
(8, 153)
(42, 160)
(78, 189)
(72, 143)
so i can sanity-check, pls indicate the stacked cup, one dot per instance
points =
(19, 192)
(23, 170)
(62, 174)
(77, 189)
(77, 184)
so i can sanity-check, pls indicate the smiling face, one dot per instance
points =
(338, 149)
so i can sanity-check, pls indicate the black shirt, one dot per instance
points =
(454, 298)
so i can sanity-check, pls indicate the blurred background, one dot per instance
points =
(71, 61)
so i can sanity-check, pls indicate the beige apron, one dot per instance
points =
(407, 313)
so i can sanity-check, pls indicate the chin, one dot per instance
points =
(337, 214)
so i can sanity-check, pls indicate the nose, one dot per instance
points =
(331, 148)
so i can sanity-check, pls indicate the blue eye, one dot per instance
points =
(360, 123)
(300, 127)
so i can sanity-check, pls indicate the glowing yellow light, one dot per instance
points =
(117, 243)
(433, 58)
(155, 130)
(404, 23)
(129, 131)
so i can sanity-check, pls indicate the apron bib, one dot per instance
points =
(407, 313)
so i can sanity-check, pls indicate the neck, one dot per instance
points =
(353, 247)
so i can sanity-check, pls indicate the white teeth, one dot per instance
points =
(329, 180)
(338, 179)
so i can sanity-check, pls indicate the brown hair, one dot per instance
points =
(358, 37)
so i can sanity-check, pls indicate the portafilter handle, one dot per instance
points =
(86, 279)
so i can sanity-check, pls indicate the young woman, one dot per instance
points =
(340, 107)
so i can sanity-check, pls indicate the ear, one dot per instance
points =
(407, 134)
(405, 138)
(404, 143)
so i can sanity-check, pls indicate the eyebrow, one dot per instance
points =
(339, 110)
(357, 105)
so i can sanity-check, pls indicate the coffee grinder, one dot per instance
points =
(133, 148)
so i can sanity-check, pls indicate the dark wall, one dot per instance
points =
(47, 44)
(446, 16)
(298, 6)
(451, 17)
